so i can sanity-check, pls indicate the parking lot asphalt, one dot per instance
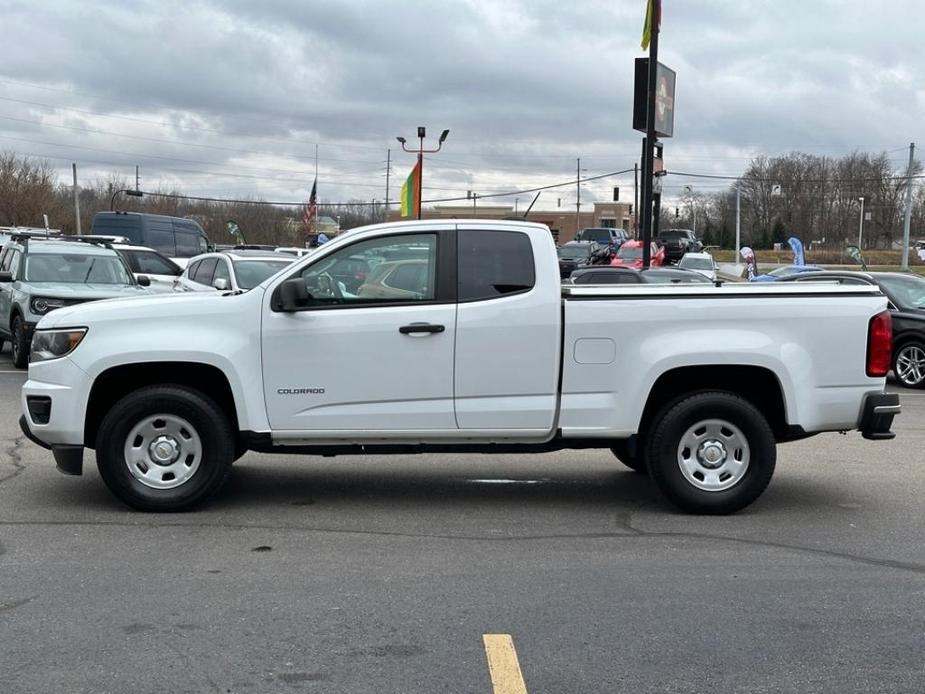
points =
(372, 574)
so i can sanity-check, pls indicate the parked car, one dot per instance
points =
(630, 255)
(175, 237)
(785, 271)
(677, 242)
(628, 275)
(578, 254)
(234, 270)
(701, 263)
(39, 275)
(495, 355)
(293, 250)
(606, 236)
(143, 261)
(906, 293)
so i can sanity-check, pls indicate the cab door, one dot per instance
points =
(371, 354)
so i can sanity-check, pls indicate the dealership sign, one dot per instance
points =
(664, 98)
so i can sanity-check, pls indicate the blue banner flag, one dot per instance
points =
(797, 247)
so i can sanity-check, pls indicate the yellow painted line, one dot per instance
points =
(506, 677)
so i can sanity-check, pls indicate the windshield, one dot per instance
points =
(573, 252)
(250, 273)
(696, 263)
(907, 292)
(630, 253)
(672, 234)
(76, 268)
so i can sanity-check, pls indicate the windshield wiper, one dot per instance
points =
(89, 270)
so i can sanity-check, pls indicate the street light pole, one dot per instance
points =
(861, 225)
(127, 191)
(422, 133)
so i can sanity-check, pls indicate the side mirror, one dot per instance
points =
(293, 295)
(6, 276)
(143, 280)
(220, 283)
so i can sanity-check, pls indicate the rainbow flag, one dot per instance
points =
(411, 192)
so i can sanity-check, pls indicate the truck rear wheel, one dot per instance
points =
(164, 448)
(630, 455)
(711, 453)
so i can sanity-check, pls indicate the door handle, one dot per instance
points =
(421, 328)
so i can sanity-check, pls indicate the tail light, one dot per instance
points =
(880, 345)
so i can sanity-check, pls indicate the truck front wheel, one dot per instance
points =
(164, 448)
(711, 453)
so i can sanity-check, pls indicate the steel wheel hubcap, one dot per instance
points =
(163, 451)
(910, 365)
(713, 455)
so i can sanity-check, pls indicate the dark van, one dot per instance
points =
(174, 237)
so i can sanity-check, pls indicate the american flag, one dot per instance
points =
(311, 209)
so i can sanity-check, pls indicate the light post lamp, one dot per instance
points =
(128, 191)
(420, 152)
(861, 224)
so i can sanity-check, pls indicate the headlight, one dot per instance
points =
(51, 344)
(40, 305)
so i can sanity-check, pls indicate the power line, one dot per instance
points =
(359, 203)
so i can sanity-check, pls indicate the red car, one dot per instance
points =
(630, 255)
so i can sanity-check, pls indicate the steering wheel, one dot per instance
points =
(327, 284)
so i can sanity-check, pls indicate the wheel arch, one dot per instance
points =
(117, 381)
(757, 384)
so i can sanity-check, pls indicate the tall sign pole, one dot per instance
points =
(907, 216)
(652, 15)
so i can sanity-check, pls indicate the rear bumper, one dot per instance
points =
(877, 414)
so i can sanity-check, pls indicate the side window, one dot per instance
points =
(221, 272)
(151, 263)
(203, 274)
(493, 264)
(387, 270)
(159, 236)
(192, 268)
(190, 239)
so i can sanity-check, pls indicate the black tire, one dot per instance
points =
(677, 422)
(912, 351)
(19, 345)
(630, 455)
(198, 418)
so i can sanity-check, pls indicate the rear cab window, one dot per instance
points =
(493, 264)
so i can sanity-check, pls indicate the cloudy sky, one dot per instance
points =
(230, 98)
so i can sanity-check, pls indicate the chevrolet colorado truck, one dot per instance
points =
(457, 338)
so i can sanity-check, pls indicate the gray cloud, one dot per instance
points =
(232, 96)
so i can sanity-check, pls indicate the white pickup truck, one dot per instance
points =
(456, 336)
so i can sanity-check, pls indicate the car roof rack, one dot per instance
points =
(102, 243)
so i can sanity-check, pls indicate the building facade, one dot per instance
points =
(564, 225)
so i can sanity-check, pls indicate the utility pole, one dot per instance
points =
(861, 225)
(76, 198)
(738, 221)
(137, 179)
(578, 200)
(907, 218)
(475, 197)
(636, 200)
(388, 170)
(648, 178)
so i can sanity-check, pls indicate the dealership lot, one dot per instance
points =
(384, 574)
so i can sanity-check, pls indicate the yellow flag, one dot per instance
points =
(653, 7)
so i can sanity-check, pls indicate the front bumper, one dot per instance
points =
(69, 459)
(877, 414)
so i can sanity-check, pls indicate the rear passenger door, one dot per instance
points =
(507, 334)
